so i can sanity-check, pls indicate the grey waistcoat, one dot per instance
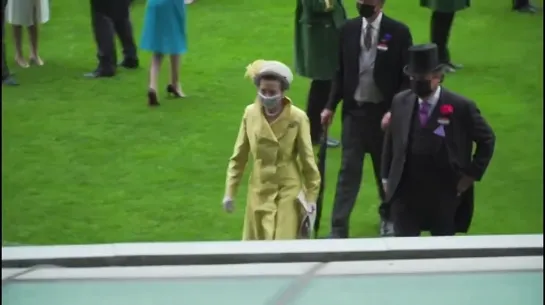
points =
(367, 91)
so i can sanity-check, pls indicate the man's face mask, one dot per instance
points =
(421, 87)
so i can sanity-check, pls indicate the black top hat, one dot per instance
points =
(423, 59)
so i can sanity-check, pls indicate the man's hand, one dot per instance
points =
(327, 117)
(385, 120)
(464, 183)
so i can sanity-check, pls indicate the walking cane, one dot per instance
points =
(322, 152)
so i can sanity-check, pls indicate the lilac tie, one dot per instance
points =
(424, 112)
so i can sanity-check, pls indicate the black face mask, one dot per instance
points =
(365, 10)
(422, 88)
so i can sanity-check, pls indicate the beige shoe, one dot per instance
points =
(21, 62)
(36, 61)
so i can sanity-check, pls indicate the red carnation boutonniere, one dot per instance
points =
(446, 110)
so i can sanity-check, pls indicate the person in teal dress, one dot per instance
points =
(164, 33)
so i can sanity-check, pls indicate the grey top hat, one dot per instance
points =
(423, 59)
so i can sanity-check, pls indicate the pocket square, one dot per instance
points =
(440, 131)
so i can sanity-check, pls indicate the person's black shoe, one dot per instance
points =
(332, 143)
(9, 81)
(337, 234)
(334, 236)
(99, 73)
(455, 66)
(386, 228)
(449, 69)
(130, 63)
(529, 9)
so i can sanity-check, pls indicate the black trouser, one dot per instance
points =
(518, 4)
(361, 134)
(5, 68)
(426, 200)
(104, 29)
(441, 23)
(317, 99)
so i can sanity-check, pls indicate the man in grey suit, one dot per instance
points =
(7, 78)
(109, 18)
(372, 55)
(428, 164)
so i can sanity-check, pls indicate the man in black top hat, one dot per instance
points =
(111, 17)
(428, 167)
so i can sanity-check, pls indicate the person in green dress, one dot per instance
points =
(317, 31)
(442, 17)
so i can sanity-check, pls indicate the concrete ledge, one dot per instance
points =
(291, 270)
(211, 253)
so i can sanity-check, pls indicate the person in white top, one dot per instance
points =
(29, 14)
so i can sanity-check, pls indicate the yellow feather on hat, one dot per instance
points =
(253, 69)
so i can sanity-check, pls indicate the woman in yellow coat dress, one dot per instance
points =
(276, 133)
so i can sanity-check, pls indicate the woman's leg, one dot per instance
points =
(175, 74)
(155, 68)
(33, 34)
(18, 37)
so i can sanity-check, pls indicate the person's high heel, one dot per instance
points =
(152, 99)
(172, 91)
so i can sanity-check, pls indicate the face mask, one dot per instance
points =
(270, 102)
(365, 10)
(422, 88)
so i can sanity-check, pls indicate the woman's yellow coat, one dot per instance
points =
(283, 166)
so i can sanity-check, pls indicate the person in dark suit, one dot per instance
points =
(442, 17)
(110, 18)
(428, 163)
(7, 78)
(372, 54)
(317, 30)
(524, 6)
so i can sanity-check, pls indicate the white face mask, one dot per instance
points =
(270, 102)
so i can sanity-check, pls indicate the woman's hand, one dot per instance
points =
(228, 204)
(311, 207)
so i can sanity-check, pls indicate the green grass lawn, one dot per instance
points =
(86, 161)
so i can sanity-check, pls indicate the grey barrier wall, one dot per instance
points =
(210, 253)
(419, 266)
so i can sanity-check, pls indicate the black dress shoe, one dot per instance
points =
(9, 81)
(99, 73)
(530, 9)
(335, 234)
(386, 228)
(332, 143)
(130, 63)
(455, 66)
(449, 69)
